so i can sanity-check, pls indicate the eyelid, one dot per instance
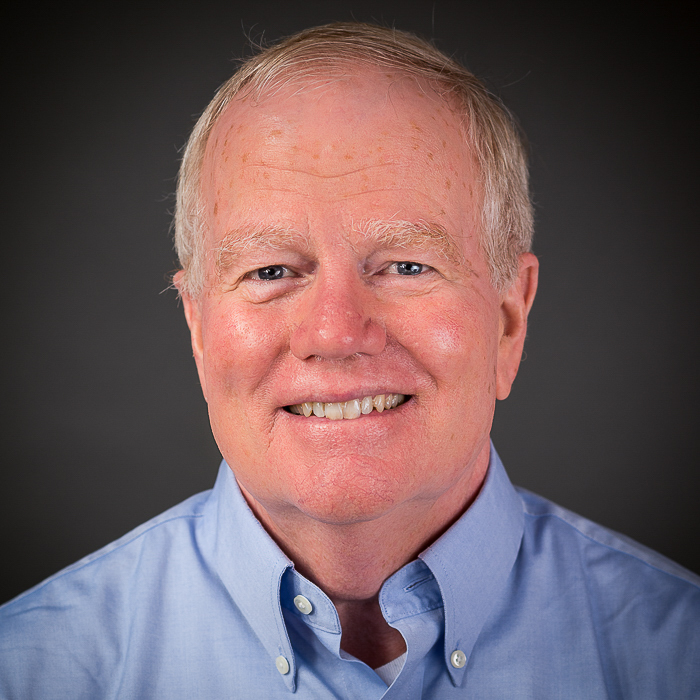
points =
(288, 272)
(426, 267)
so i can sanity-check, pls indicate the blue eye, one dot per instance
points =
(269, 273)
(409, 268)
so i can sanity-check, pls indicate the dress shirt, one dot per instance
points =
(518, 599)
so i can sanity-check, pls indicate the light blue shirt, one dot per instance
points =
(198, 604)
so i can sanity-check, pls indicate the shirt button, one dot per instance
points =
(458, 658)
(303, 605)
(282, 665)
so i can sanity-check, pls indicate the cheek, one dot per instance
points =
(456, 343)
(239, 347)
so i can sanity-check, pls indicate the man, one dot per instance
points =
(354, 231)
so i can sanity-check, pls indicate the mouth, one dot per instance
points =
(348, 410)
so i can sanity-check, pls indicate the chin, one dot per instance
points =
(351, 491)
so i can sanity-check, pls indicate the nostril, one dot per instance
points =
(333, 342)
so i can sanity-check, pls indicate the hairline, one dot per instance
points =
(489, 130)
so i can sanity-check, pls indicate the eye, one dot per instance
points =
(407, 268)
(270, 273)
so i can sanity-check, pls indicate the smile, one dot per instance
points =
(348, 409)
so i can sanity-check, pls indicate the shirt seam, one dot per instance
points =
(75, 568)
(594, 611)
(437, 606)
(612, 548)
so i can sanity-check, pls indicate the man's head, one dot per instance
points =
(343, 258)
(335, 50)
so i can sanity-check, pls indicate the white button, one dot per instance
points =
(457, 658)
(282, 665)
(303, 605)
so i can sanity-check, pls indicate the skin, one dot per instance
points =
(291, 181)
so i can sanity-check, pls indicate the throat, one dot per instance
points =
(366, 634)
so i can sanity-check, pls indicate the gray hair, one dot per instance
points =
(490, 130)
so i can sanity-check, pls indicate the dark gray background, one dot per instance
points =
(103, 418)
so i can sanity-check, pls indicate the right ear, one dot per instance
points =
(193, 315)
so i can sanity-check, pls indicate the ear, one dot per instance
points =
(193, 314)
(516, 303)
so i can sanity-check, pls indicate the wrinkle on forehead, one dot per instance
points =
(367, 103)
(323, 176)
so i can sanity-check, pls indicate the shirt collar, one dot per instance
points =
(473, 560)
(250, 565)
(471, 563)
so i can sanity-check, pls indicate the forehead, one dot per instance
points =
(372, 142)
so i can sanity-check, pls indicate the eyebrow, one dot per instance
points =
(392, 233)
(411, 234)
(237, 242)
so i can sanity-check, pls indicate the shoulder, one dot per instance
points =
(639, 610)
(118, 556)
(600, 547)
(69, 634)
(640, 604)
(74, 603)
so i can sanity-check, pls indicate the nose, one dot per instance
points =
(336, 321)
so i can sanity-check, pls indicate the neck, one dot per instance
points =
(350, 562)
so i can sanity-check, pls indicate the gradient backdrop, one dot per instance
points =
(103, 418)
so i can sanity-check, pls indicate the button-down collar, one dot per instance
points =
(470, 564)
(473, 559)
(194, 603)
(250, 565)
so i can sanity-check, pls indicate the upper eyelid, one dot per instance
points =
(248, 275)
(297, 272)
(409, 262)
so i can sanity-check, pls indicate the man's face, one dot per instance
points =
(344, 263)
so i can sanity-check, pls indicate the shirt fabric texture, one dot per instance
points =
(199, 603)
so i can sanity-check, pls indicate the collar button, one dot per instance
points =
(458, 658)
(303, 605)
(282, 665)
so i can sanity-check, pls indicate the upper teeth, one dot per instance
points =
(348, 409)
